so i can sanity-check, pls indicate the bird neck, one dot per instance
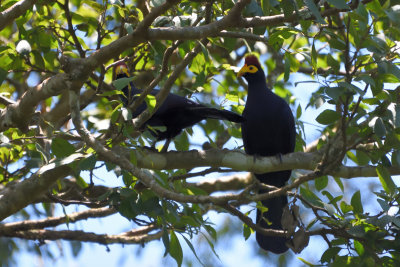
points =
(258, 86)
(122, 75)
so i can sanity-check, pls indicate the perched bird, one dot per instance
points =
(176, 112)
(268, 130)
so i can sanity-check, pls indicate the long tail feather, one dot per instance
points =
(218, 114)
(271, 219)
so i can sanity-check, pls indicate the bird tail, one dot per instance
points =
(212, 113)
(271, 219)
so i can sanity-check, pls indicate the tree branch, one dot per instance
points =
(55, 221)
(130, 237)
(10, 14)
(19, 114)
(19, 195)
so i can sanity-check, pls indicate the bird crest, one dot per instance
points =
(121, 68)
(252, 59)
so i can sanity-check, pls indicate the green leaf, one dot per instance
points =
(288, 7)
(345, 207)
(175, 249)
(310, 197)
(88, 163)
(287, 68)
(122, 82)
(385, 179)
(356, 203)
(44, 153)
(357, 230)
(321, 182)
(61, 148)
(253, 9)
(384, 205)
(327, 117)
(66, 161)
(182, 142)
(393, 69)
(3, 75)
(307, 262)
(335, 92)
(192, 248)
(115, 113)
(127, 178)
(39, 62)
(112, 92)
(211, 231)
(81, 182)
(232, 97)
(362, 157)
(379, 127)
(265, 6)
(246, 231)
(198, 64)
(394, 110)
(314, 57)
(314, 10)
(211, 245)
(93, 4)
(76, 247)
(359, 247)
(330, 254)
(133, 157)
(341, 4)
(298, 112)
(151, 102)
(165, 239)
(205, 51)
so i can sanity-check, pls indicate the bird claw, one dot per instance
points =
(279, 156)
(166, 145)
(151, 148)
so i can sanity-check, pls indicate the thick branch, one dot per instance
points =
(8, 16)
(19, 195)
(55, 221)
(124, 238)
(19, 114)
(240, 161)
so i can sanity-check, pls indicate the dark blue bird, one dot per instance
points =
(268, 130)
(176, 112)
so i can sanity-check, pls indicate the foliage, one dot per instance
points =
(52, 50)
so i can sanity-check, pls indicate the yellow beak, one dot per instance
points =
(243, 70)
(121, 70)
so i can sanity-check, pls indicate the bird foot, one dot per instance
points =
(279, 156)
(166, 145)
(151, 148)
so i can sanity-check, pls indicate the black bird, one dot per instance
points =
(268, 130)
(176, 112)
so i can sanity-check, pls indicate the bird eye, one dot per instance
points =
(251, 68)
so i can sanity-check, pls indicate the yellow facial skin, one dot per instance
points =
(247, 69)
(122, 69)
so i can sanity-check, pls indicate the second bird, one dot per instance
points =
(176, 112)
(268, 130)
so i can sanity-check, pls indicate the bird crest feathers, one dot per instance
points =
(252, 59)
(121, 68)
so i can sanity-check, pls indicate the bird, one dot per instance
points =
(268, 129)
(176, 112)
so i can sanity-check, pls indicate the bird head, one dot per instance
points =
(121, 70)
(251, 69)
